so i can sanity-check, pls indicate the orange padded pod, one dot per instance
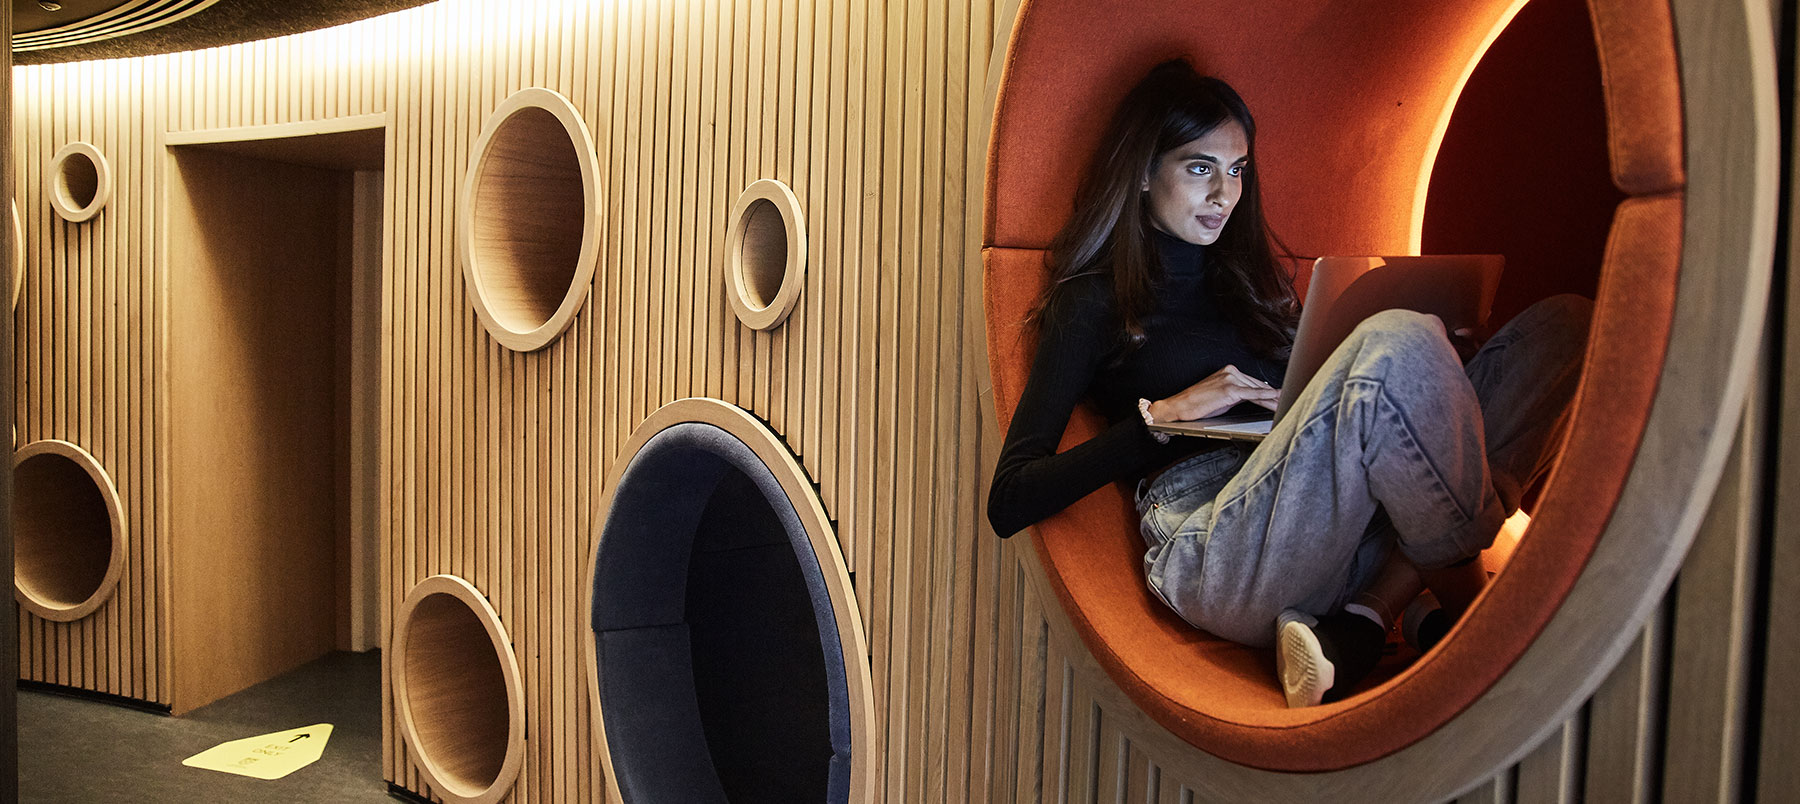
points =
(1352, 101)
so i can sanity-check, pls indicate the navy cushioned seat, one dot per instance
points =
(720, 671)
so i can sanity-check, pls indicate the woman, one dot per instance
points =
(1167, 303)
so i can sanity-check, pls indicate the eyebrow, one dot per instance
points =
(1209, 158)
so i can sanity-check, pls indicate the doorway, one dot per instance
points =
(274, 242)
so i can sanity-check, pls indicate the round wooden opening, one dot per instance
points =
(68, 531)
(1676, 263)
(18, 254)
(528, 225)
(456, 685)
(766, 245)
(80, 181)
(726, 654)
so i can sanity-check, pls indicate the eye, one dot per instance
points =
(1199, 169)
(1239, 170)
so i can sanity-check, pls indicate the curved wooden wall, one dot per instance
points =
(491, 461)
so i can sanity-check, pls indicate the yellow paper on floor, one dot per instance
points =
(270, 756)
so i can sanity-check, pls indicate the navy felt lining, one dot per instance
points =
(691, 553)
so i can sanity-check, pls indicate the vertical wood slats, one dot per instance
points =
(1777, 773)
(491, 460)
(1708, 683)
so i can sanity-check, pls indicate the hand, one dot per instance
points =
(1215, 395)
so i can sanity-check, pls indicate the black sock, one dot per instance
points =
(1432, 628)
(1353, 643)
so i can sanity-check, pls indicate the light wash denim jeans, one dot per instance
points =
(1394, 444)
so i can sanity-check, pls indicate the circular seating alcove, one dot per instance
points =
(1351, 118)
(766, 248)
(727, 660)
(528, 221)
(68, 531)
(457, 691)
(79, 181)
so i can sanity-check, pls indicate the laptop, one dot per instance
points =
(1343, 291)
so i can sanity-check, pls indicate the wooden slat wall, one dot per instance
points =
(9, 630)
(874, 113)
(92, 327)
(86, 358)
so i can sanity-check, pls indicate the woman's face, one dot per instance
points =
(1194, 187)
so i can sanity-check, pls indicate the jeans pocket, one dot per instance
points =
(1197, 475)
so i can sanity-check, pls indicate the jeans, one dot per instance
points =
(1395, 444)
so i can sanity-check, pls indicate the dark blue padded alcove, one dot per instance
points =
(720, 672)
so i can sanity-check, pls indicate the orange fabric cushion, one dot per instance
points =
(1643, 94)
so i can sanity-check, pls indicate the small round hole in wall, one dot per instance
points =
(727, 660)
(18, 254)
(528, 222)
(457, 690)
(80, 181)
(68, 531)
(766, 250)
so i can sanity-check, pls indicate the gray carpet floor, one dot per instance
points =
(80, 750)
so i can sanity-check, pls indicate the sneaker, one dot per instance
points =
(1300, 660)
(1424, 623)
(1321, 659)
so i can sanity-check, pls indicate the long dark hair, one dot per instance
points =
(1109, 231)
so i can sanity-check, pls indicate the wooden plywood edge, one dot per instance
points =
(115, 517)
(279, 131)
(435, 773)
(769, 315)
(588, 253)
(55, 185)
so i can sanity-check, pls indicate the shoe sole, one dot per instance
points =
(1305, 672)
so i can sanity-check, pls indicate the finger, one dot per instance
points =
(1252, 394)
(1241, 379)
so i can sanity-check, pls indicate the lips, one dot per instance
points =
(1211, 221)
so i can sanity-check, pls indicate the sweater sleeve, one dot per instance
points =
(1032, 480)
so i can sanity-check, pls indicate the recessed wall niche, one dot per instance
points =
(727, 661)
(528, 223)
(68, 531)
(460, 704)
(18, 254)
(765, 249)
(79, 181)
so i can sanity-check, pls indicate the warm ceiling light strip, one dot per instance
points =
(129, 18)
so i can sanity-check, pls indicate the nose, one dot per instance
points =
(1218, 193)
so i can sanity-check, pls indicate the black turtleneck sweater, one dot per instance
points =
(1082, 356)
